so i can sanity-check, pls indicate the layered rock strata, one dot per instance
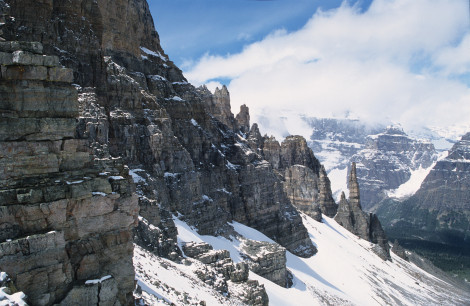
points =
(267, 260)
(66, 217)
(136, 104)
(365, 225)
(304, 180)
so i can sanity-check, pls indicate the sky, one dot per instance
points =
(380, 61)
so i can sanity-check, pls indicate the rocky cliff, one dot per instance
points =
(304, 179)
(131, 106)
(365, 225)
(66, 217)
(440, 209)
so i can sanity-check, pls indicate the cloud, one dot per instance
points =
(398, 61)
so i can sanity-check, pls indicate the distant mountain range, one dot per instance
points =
(421, 196)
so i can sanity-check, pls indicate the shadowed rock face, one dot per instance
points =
(440, 210)
(365, 225)
(66, 217)
(305, 181)
(135, 108)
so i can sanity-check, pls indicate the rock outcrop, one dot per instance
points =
(365, 225)
(304, 180)
(221, 273)
(267, 260)
(243, 119)
(66, 217)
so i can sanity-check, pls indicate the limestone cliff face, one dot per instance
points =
(304, 180)
(66, 217)
(134, 104)
(365, 225)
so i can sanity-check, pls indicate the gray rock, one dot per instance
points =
(62, 222)
(243, 119)
(365, 225)
(267, 260)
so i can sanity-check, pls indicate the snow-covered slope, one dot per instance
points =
(344, 272)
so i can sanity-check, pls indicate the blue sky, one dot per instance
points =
(387, 61)
(189, 29)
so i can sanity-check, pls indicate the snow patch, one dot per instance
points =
(99, 193)
(153, 53)
(74, 182)
(97, 281)
(338, 179)
(345, 270)
(137, 178)
(194, 122)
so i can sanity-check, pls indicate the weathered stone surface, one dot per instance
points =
(267, 260)
(365, 225)
(27, 59)
(12, 46)
(195, 250)
(301, 187)
(251, 293)
(243, 119)
(305, 181)
(6, 58)
(25, 73)
(38, 99)
(240, 273)
(327, 203)
(225, 276)
(37, 129)
(62, 220)
(218, 105)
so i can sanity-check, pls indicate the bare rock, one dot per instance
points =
(243, 119)
(365, 225)
(63, 220)
(267, 260)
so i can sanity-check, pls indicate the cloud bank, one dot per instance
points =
(402, 61)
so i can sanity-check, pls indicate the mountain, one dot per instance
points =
(386, 157)
(439, 212)
(113, 166)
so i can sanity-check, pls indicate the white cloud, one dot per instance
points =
(398, 61)
(455, 60)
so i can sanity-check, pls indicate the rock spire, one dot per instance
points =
(365, 225)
